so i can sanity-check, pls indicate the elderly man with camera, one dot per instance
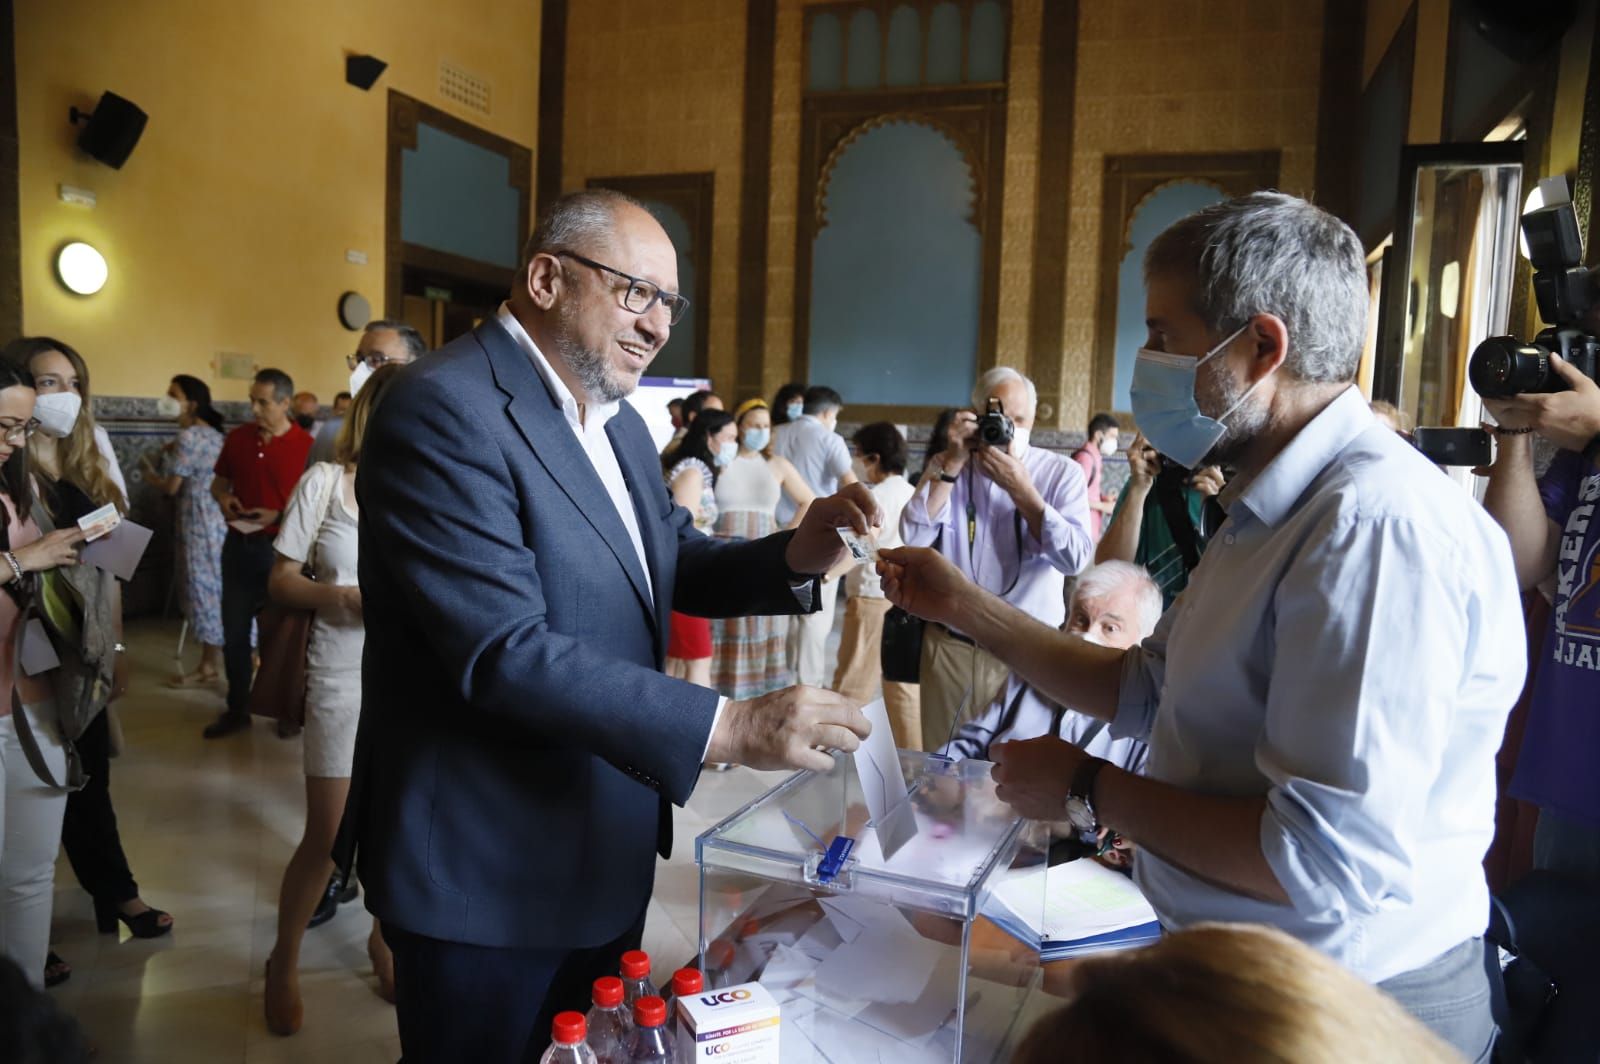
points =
(1555, 538)
(1325, 700)
(1013, 518)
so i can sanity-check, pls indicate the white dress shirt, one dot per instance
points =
(1349, 648)
(589, 425)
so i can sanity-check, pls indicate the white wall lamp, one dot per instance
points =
(81, 269)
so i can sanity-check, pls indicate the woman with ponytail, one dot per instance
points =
(201, 527)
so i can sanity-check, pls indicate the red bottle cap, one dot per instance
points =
(608, 992)
(636, 964)
(570, 1028)
(649, 1012)
(686, 981)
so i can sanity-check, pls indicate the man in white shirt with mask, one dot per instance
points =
(1014, 519)
(382, 342)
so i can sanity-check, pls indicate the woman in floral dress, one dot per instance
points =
(191, 459)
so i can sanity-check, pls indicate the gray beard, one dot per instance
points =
(1240, 428)
(590, 368)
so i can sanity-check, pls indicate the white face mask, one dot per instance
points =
(1108, 446)
(168, 407)
(358, 377)
(57, 413)
(1019, 441)
(726, 453)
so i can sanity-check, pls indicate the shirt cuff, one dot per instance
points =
(1137, 698)
(803, 593)
(722, 703)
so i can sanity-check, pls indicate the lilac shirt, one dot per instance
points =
(1063, 548)
(1557, 766)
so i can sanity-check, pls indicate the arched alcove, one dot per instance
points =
(1155, 212)
(896, 269)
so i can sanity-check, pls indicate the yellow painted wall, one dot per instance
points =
(664, 94)
(227, 229)
(1231, 78)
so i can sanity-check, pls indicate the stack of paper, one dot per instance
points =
(1088, 908)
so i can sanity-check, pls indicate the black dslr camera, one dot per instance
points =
(994, 428)
(1503, 366)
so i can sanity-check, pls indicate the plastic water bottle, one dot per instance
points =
(609, 1025)
(650, 1043)
(636, 982)
(686, 982)
(571, 1045)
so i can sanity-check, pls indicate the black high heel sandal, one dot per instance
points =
(107, 914)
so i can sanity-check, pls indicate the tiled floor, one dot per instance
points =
(208, 827)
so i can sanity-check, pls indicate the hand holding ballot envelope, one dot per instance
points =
(790, 728)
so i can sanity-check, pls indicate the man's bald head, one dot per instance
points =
(587, 291)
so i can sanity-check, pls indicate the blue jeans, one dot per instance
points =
(1450, 996)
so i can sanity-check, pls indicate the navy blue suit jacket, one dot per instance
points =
(518, 742)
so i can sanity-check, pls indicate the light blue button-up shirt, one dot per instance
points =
(1349, 647)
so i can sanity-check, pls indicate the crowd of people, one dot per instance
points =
(1268, 676)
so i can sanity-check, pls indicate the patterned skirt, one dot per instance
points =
(748, 657)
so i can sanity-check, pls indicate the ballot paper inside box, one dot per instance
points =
(880, 959)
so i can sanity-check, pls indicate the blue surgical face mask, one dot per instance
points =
(757, 439)
(727, 453)
(1164, 405)
(795, 410)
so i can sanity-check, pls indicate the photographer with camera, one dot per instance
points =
(1013, 518)
(1555, 536)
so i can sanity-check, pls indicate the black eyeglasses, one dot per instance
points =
(641, 294)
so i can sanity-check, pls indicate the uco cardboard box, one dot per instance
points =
(734, 1025)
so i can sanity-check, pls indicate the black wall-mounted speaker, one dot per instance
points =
(1524, 30)
(363, 71)
(112, 130)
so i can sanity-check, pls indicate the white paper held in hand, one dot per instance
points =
(98, 522)
(862, 548)
(883, 784)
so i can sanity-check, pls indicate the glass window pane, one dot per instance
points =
(944, 45)
(826, 71)
(986, 43)
(905, 47)
(866, 44)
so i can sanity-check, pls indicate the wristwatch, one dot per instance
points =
(1080, 798)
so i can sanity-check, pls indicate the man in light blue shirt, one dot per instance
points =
(1325, 699)
(816, 449)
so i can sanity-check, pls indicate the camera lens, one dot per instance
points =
(1502, 366)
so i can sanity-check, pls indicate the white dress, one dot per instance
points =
(747, 656)
(333, 654)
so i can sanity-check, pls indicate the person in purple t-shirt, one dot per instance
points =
(1555, 539)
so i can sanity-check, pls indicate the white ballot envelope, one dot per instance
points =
(883, 783)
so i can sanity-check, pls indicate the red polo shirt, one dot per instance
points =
(263, 474)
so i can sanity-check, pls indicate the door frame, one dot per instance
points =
(405, 115)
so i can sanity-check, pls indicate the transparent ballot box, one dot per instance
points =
(875, 959)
